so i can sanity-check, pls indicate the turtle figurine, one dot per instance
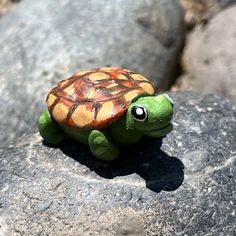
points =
(105, 108)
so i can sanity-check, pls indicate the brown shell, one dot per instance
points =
(94, 99)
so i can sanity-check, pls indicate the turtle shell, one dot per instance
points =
(96, 98)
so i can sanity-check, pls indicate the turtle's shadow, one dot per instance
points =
(159, 170)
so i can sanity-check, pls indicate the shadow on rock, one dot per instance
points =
(159, 170)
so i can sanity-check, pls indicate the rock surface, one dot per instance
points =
(43, 42)
(209, 57)
(197, 11)
(186, 187)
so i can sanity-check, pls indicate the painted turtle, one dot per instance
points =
(105, 108)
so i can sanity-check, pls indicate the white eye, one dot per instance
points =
(168, 97)
(139, 113)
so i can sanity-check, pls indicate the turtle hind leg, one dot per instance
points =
(49, 129)
(101, 147)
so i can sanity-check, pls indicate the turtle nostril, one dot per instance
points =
(161, 121)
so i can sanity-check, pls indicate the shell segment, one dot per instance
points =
(94, 99)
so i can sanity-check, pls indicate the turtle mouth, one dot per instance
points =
(159, 132)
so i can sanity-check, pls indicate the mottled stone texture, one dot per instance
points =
(185, 186)
(210, 58)
(45, 41)
(197, 11)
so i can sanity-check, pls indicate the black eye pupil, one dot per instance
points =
(139, 113)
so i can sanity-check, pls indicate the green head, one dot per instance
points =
(151, 115)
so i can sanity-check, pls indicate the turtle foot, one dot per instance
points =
(101, 147)
(50, 130)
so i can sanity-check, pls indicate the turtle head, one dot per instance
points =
(151, 115)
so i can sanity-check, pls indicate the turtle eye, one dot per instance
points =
(139, 113)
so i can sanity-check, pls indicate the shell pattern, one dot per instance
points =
(96, 98)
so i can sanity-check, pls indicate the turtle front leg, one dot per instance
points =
(49, 129)
(102, 147)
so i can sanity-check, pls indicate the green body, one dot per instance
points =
(146, 116)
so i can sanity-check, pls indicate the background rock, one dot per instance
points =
(5, 5)
(209, 56)
(197, 11)
(184, 188)
(43, 42)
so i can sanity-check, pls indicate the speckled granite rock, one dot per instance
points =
(43, 42)
(186, 187)
(197, 11)
(209, 56)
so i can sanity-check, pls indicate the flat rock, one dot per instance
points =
(209, 58)
(44, 41)
(181, 185)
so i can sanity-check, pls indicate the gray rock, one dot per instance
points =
(43, 42)
(210, 58)
(186, 187)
